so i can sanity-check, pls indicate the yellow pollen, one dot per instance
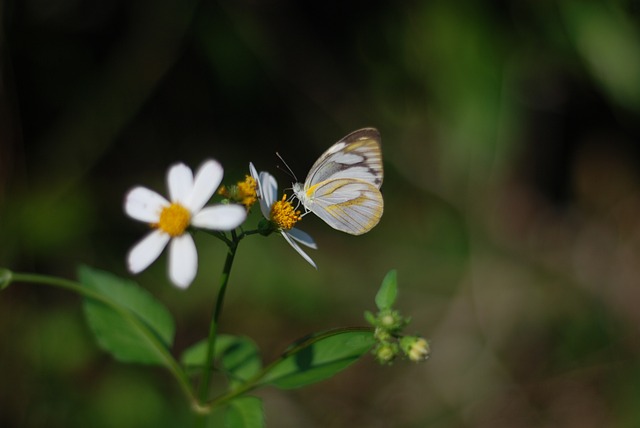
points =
(244, 192)
(223, 191)
(247, 191)
(284, 215)
(174, 219)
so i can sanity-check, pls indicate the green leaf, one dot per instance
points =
(370, 318)
(193, 357)
(241, 360)
(239, 356)
(319, 357)
(388, 292)
(245, 412)
(126, 320)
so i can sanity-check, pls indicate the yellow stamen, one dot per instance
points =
(247, 191)
(284, 215)
(174, 219)
(244, 192)
(223, 191)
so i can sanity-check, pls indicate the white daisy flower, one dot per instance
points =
(170, 220)
(281, 213)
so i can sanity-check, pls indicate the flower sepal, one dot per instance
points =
(266, 227)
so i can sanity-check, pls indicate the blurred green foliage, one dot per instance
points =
(510, 135)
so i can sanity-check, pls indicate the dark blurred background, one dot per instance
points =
(510, 134)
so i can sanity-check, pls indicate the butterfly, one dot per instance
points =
(343, 185)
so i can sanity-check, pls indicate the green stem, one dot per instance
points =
(169, 362)
(213, 328)
(248, 233)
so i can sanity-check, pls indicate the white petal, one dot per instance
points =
(220, 217)
(303, 238)
(269, 187)
(180, 183)
(268, 192)
(259, 177)
(207, 180)
(265, 208)
(253, 171)
(183, 260)
(144, 204)
(298, 249)
(146, 251)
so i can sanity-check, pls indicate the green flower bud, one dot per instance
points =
(382, 334)
(391, 320)
(415, 348)
(385, 353)
(265, 227)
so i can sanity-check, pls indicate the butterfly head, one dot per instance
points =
(302, 196)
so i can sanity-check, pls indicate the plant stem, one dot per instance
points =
(213, 328)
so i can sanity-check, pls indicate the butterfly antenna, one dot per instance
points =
(291, 174)
(289, 171)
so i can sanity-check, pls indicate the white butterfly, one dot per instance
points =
(343, 186)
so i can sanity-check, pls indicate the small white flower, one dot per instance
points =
(170, 220)
(281, 213)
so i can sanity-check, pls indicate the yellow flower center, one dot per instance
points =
(244, 192)
(174, 219)
(247, 191)
(284, 215)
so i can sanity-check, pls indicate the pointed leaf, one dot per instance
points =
(319, 357)
(370, 318)
(193, 357)
(239, 356)
(127, 320)
(388, 292)
(241, 360)
(245, 412)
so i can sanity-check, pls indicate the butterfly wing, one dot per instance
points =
(346, 204)
(356, 156)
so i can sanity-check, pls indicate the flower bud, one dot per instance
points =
(382, 334)
(386, 352)
(391, 320)
(265, 227)
(415, 348)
